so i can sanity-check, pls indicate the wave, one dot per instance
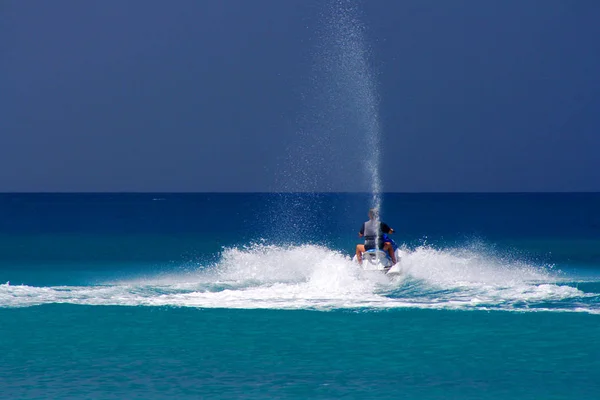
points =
(318, 278)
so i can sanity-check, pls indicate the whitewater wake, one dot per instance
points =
(317, 278)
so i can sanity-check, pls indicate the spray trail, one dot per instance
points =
(338, 136)
(352, 93)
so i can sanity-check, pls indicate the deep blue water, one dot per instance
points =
(255, 296)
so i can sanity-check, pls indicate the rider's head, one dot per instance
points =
(373, 213)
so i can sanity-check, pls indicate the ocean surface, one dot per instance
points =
(253, 296)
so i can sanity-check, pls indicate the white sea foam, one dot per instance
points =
(314, 277)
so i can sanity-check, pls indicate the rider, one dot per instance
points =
(373, 231)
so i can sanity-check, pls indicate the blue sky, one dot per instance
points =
(237, 95)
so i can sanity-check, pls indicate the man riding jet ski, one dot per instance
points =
(379, 250)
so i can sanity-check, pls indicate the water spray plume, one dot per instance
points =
(350, 60)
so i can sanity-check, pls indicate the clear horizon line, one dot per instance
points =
(297, 192)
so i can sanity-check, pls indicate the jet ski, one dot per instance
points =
(379, 260)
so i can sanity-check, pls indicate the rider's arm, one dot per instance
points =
(385, 228)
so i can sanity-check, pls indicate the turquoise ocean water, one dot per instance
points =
(157, 296)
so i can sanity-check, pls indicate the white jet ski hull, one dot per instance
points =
(378, 260)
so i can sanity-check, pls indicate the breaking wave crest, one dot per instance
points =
(318, 278)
